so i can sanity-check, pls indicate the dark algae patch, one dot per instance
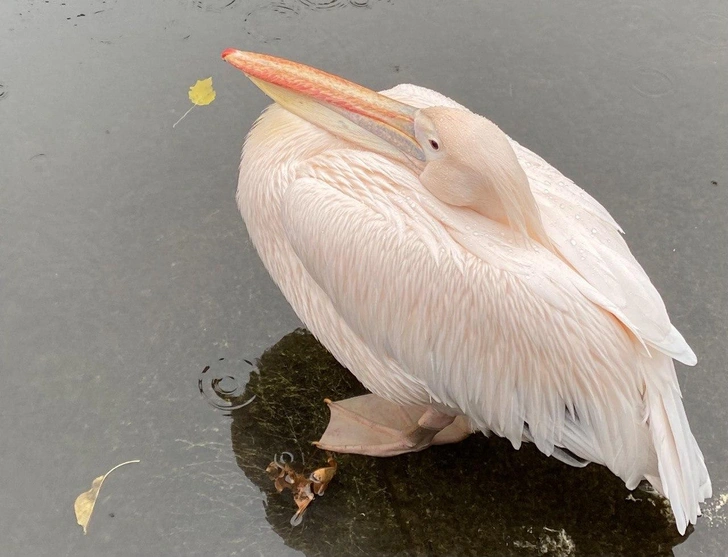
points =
(477, 497)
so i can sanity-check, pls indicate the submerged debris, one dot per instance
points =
(556, 542)
(284, 476)
(550, 542)
(714, 512)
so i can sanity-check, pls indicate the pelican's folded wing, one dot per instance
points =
(586, 236)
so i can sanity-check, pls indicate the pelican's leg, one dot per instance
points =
(374, 426)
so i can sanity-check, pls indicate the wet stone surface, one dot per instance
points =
(125, 270)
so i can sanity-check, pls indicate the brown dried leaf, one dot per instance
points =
(302, 497)
(273, 470)
(84, 505)
(303, 487)
(322, 477)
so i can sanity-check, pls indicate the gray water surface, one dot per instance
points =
(125, 268)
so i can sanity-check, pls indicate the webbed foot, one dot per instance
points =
(373, 426)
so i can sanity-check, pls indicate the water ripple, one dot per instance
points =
(272, 21)
(712, 29)
(213, 5)
(223, 390)
(651, 82)
(324, 4)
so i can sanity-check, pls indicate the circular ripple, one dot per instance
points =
(213, 5)
(285, 458)
(272, 22)
(222, 390)
(712, 29)
(651, 82)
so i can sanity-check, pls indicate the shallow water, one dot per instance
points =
(126, 270)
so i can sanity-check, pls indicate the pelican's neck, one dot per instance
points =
(275, 146)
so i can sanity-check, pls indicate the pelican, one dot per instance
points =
(468, 284)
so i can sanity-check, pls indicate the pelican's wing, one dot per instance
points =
(591, 241)
(588, 238)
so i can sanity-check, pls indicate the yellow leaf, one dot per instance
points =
(202, 93)
(85, 502)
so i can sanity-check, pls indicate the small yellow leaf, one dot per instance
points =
(85, 502)
(202, 93)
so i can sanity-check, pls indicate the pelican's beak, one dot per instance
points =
(343, 108)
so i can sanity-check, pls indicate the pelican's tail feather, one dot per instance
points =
(682, 476)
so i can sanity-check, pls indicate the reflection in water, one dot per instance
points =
(478, 497)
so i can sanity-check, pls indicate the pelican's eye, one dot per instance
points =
(435, 145)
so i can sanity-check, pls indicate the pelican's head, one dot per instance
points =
(469, 162)
(462, 158)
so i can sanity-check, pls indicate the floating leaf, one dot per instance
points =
(85, 502)
(201, 94)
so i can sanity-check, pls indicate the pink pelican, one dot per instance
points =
(467, 283)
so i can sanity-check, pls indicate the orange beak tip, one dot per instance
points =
(227, 52)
